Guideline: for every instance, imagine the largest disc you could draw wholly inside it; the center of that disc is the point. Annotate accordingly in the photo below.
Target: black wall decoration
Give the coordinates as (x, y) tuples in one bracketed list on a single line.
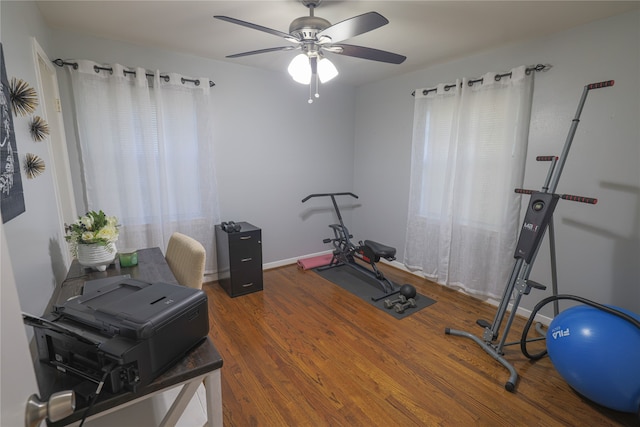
[(11, 193)]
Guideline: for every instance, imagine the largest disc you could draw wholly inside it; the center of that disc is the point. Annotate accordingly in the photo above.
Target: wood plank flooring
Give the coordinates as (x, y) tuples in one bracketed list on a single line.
[(304, 352)]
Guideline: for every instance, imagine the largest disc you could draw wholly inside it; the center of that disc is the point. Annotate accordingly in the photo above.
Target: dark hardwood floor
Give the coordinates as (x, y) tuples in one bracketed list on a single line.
[(304, 352)]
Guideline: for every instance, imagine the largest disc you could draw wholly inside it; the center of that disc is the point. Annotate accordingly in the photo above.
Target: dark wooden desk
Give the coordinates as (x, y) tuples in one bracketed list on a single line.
[(203, 363), (152, 267)]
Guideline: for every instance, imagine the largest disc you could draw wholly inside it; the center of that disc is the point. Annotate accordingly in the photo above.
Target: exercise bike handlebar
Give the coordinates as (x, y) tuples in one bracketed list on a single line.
[(571, 197), (328, 195)]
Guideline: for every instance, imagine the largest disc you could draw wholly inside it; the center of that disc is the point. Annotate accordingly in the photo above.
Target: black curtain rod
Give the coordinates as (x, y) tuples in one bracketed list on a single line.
[(60, 63), (498, 77)]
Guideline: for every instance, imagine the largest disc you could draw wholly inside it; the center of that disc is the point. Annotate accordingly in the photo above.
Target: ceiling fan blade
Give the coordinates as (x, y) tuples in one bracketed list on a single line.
[(257, 27), (354, 26), (367, 53), (255, 52)]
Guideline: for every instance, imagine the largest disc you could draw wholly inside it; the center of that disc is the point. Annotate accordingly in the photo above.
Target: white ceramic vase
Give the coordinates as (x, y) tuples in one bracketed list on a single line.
[(96, 256)]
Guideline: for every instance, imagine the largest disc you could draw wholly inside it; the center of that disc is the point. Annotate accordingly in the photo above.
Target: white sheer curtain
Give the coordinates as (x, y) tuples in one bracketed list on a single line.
[(468, 156), (147, 154)]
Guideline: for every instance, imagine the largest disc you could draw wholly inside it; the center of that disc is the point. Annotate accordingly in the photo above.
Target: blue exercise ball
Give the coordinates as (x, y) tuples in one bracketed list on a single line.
[(598, 355)]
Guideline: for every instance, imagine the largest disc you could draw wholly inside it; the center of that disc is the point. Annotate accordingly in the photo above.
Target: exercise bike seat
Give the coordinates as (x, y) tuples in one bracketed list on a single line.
[(380, 250)]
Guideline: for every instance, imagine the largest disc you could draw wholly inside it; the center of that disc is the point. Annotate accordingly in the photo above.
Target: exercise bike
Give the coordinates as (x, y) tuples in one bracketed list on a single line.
[(345, 252)]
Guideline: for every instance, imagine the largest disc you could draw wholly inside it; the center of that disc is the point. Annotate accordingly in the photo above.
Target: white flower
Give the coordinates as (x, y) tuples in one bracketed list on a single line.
[(87, 221), (87, 236), (109, 233), (94, 227)]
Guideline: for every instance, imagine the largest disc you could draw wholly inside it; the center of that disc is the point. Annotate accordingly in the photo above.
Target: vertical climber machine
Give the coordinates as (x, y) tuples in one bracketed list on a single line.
[(538, 218)]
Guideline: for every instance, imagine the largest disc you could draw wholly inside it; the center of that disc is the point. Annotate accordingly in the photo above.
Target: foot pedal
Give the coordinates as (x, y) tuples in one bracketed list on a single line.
[(483, 323), (326, 241), (536, 285), (489, 334)]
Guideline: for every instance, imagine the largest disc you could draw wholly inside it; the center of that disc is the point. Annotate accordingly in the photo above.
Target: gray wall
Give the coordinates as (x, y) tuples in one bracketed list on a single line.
[(598, 247), (33, 238), (272, 149)]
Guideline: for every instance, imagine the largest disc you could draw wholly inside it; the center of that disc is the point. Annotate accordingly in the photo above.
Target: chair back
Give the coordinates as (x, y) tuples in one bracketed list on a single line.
[(186, 258)]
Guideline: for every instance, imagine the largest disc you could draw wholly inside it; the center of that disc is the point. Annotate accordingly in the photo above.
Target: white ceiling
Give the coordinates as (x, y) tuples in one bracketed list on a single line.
[(426, 32)]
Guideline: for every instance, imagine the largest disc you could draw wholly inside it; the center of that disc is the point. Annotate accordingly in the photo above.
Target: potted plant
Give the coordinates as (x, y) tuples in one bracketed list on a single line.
[(92, 239)]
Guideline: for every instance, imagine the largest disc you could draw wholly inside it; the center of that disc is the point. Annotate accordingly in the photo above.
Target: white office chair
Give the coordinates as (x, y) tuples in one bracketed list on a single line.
[(186, 257)]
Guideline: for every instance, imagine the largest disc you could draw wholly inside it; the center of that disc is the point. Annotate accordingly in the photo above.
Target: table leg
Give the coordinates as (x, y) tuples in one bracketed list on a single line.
[(179, 405), (213, 387)]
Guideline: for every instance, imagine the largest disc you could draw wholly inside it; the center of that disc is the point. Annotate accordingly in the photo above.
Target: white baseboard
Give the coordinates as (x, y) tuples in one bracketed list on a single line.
[(213, 276), (284, 262), (520, 311), (268, 266)]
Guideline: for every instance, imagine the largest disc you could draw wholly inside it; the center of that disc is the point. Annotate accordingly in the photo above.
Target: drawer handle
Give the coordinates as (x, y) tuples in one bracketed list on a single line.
[(245, 237), (247, 285), (245, 259)]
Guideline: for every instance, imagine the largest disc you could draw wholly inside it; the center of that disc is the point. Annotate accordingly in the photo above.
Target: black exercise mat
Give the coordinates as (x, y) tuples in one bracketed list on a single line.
[(366, 288)]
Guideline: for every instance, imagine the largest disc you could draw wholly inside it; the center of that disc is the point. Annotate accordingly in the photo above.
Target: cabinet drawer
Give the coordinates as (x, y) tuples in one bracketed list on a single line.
[(249, 258), (246, 281), (240, 242)]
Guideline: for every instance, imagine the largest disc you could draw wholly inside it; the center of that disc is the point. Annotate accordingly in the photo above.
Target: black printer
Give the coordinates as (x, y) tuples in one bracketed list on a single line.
[(124, 333)]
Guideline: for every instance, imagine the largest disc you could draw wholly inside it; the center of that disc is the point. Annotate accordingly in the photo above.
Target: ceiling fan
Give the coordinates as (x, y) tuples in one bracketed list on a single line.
[(315, 36)]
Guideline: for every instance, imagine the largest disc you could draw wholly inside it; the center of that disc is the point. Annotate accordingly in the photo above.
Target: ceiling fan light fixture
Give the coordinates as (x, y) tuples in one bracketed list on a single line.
[(300, 69), (315, 36), (326, 70)]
